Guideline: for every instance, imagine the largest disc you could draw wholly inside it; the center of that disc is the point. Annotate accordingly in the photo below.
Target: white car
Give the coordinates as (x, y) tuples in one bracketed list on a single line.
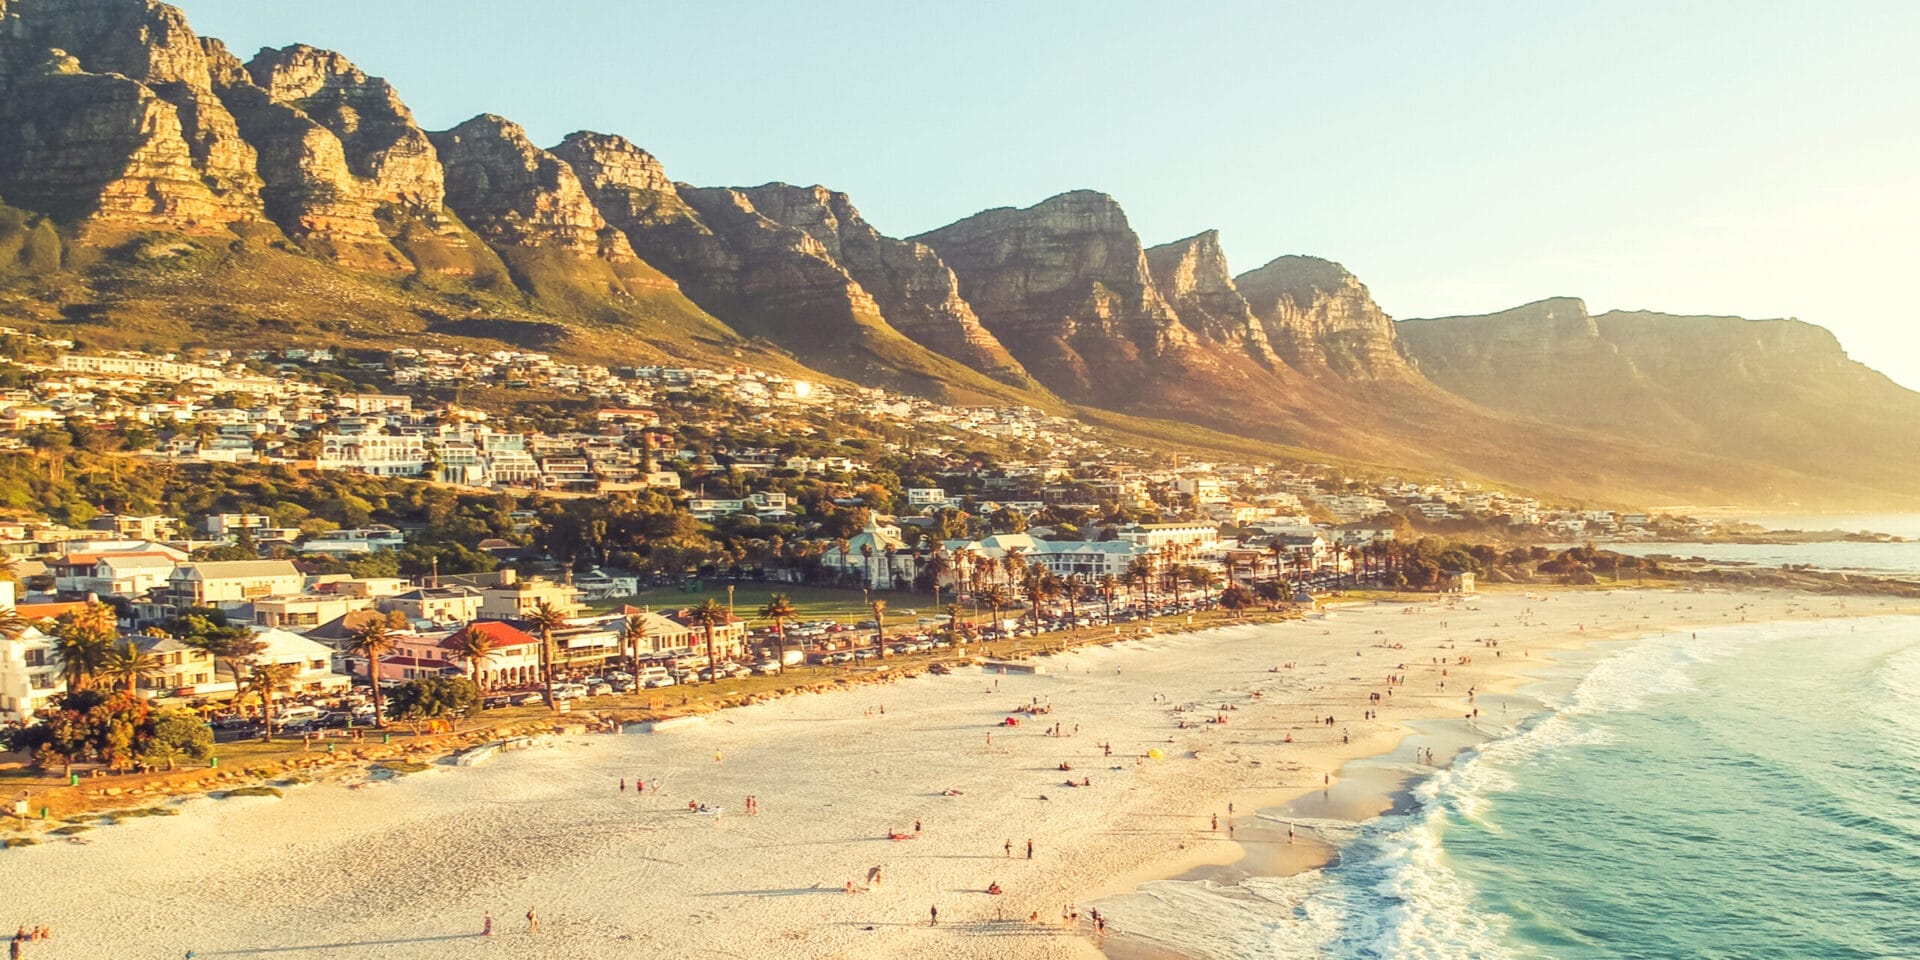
[(661, 681), (767, 668), (601, 689)]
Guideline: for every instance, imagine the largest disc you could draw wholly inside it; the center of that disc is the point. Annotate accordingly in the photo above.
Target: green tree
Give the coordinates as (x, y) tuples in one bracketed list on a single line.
[(81, 641), (779, 608), (475, 649), (263, 681), (125, 665), (545, 619), (633, 636), (176, 732), (434, 698), (995, 597), (373, 640), (708, 614), (1236, 598)]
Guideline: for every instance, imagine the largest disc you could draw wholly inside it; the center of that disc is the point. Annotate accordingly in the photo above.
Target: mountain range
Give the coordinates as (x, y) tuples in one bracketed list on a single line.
[(161, 192)]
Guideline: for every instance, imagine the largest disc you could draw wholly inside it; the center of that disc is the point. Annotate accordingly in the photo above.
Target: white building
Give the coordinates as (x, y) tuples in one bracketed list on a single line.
[(1153, 536), (373, 453), (29, 671), (228, 583), (312, 661)]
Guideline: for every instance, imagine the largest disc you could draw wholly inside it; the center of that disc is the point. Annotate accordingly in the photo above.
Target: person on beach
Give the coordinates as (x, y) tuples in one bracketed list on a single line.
[(1216, 823), (1008, 846), (486, 924), (533, 921), (933, 915), (1029, 848)]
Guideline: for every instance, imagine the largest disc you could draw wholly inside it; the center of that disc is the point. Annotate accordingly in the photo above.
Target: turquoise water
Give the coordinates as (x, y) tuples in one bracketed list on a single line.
[(1743, 792)]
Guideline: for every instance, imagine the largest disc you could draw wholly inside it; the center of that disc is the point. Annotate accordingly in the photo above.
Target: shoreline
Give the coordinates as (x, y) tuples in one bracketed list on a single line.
[(1381, 784), (834, 772)]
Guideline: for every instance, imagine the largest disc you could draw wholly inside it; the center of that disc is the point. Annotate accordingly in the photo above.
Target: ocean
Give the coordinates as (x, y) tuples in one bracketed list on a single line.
[(1750, 791), (1882, 559)]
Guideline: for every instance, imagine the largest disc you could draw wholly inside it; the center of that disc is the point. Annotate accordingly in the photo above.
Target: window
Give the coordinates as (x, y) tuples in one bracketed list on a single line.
[(36, 658)]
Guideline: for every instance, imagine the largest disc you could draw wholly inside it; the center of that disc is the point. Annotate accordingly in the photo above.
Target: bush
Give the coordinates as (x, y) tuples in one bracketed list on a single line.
[(252, 792)]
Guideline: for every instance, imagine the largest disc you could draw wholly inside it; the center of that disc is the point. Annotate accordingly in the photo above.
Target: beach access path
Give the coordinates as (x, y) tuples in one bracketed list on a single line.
[(407, 868)]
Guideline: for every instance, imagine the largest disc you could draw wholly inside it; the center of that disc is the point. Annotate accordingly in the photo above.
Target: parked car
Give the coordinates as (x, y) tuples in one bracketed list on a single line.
[(662, 680), (767, 668), (601, 689)]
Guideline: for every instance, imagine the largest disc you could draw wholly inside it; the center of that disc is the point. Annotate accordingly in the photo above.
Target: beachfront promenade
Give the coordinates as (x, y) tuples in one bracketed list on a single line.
[(408, 868)]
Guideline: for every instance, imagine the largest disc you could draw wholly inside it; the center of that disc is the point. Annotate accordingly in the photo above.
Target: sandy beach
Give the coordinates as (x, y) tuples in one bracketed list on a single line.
[(408, 868)]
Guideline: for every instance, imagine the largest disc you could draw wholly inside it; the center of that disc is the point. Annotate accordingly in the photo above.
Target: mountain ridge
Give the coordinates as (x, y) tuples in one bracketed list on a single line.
[(159, 190)]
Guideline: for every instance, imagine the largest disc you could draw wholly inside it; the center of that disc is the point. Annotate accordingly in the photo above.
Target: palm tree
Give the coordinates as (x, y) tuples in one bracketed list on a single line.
[(778, 608), (373, 640), (1108, 584), (263, 681), (1205, 578), (125, 664), (633, 635), (938, 563), (475, 649), (866, 551), (13, 626), (544, 620), (708, 614), (879, 628), (995, 597), (953, 621), (1141, 570), (81, 639)]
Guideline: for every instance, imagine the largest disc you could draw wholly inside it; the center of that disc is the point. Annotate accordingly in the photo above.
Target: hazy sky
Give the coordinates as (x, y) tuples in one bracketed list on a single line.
[(1754, 158)]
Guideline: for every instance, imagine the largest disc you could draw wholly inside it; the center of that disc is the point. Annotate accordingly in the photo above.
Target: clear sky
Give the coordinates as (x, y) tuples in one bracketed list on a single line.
[(1750, 157)]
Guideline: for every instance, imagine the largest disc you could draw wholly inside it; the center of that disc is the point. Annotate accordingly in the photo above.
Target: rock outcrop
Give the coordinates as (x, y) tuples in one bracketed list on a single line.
[(631, 190), (349, 173), (87, 146), (1322, 320), (916, 292), (1064, 285), (1192, 275), (776, 280), (382, 145), (530, 207)]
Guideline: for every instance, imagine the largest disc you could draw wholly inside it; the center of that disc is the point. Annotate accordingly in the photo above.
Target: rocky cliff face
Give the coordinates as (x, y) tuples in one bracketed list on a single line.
[(1065, 285), (1777, 392), (85, 145), (1192, 275), (916, 292), (1322, 320), (632, 191), (382, 145), (531, 208)]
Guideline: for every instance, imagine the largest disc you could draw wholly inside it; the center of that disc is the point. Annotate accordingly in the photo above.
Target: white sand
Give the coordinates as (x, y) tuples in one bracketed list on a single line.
[(406, 869)]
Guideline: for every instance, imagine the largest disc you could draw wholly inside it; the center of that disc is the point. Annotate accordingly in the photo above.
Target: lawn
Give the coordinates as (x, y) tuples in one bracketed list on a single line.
[(815, 603)]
